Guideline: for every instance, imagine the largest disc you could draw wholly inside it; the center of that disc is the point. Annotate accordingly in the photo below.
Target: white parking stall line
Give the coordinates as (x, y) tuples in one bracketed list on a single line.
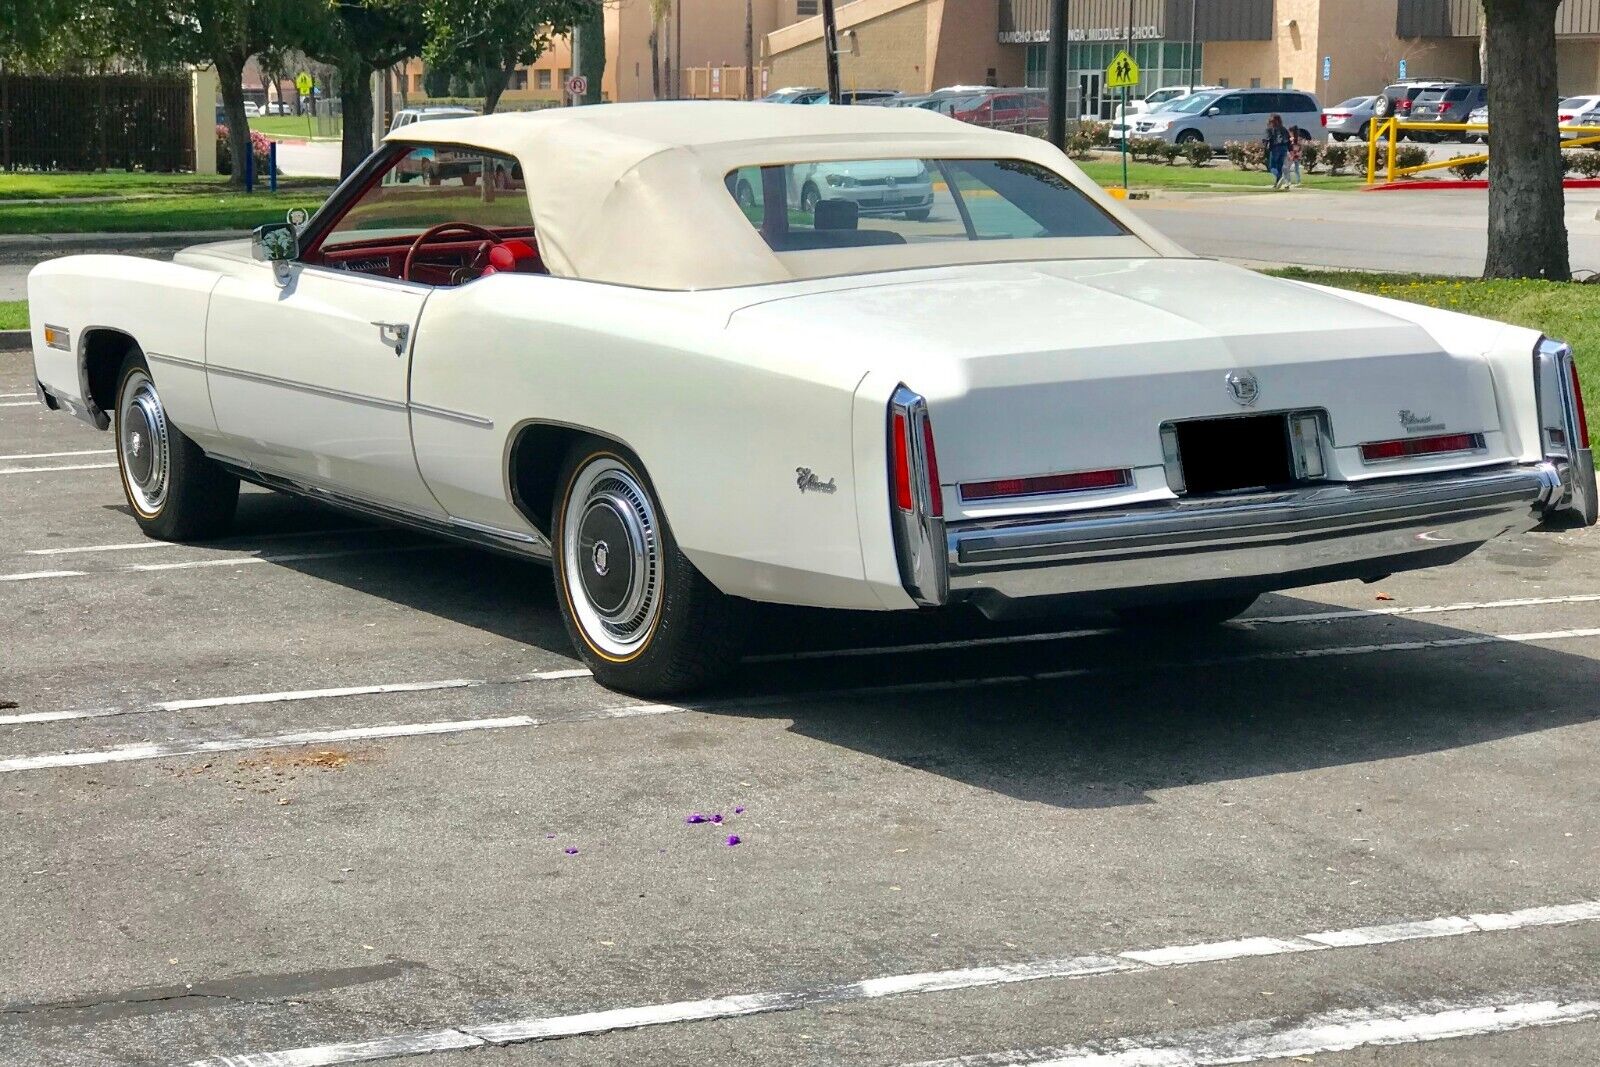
[(517, 1031), (778, 699), (221, 545), (56, 469), (22, 404), (1270, 1039), (8, 396), (1425, 609), (231, 561), (31, 576), (57, 455)]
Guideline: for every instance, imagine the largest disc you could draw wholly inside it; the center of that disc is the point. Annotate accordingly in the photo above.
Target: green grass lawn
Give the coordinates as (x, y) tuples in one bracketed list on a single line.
[(1107, 171), (296, 126), (1563, 310), (13, 314), (120, 183), (217, 211)]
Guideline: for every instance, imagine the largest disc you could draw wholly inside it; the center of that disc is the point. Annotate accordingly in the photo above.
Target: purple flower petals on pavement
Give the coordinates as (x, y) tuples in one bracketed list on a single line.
[(739, 810), (717, 818), (549, 837), (696, 817), (733, 839), (569, 850)]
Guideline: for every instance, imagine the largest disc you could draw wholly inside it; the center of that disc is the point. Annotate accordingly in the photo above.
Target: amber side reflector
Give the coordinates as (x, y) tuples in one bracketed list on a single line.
[(56, 337), (1377, 451), (1049, 483)]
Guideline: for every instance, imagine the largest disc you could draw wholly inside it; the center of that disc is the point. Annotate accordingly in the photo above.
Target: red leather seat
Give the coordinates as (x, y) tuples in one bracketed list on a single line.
[(520, 257)]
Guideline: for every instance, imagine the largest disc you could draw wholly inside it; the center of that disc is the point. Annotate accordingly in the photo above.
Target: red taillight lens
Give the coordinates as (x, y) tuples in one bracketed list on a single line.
[(1565, 118), (1420, 446), (935, 497), (902, 463), (1577, 400), (1324, 120), (1051, 483)]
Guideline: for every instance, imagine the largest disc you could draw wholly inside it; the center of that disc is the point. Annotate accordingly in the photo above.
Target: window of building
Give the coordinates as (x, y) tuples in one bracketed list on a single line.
[(416, 83), (804, 9), (565, 73), (1255, 83), (519, 80), (541, 78), (1288, 83)]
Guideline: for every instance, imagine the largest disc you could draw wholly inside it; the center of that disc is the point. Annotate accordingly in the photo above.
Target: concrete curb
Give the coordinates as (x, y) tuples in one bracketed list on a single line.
[(33, 245), (15, 340)]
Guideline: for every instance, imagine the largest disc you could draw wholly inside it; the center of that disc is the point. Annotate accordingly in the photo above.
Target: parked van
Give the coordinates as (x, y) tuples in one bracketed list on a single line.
[(1231, 115)]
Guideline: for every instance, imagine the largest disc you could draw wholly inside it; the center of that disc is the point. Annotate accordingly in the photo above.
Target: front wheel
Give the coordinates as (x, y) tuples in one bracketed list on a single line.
[(809, 198), (1340, 137), (1189, 137), (175, 491), (643, 619), (1192, 614)]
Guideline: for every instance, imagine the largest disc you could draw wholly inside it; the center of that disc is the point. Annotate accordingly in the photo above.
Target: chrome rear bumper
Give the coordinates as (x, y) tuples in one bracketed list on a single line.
[(1257, 543)]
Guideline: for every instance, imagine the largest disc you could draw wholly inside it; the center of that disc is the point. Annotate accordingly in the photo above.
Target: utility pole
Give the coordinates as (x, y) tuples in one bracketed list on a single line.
[(577, 62), (830, 49), (1055, 61), (677, 59), (749, 50)]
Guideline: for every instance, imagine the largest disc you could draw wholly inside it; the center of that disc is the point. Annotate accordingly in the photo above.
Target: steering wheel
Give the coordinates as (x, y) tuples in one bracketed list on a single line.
[(480, 258)]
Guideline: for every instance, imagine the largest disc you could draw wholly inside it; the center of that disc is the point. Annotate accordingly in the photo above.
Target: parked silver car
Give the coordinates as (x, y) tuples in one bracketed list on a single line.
[(1231, 115), (1352, 118)]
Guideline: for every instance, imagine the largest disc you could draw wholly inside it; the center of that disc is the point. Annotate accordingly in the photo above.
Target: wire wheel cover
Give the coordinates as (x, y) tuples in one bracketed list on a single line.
[(143, 443), (611, 557)]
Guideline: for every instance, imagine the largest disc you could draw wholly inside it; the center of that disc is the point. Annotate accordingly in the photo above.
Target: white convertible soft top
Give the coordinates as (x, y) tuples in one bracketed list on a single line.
[(635, 194)]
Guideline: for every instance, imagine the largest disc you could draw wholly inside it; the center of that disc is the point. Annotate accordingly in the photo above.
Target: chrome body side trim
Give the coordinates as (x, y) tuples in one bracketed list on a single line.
[(918, 534), (454, 416), (302, 387), (1261, 542), (1559, 432), (176, 361), (510, 542)]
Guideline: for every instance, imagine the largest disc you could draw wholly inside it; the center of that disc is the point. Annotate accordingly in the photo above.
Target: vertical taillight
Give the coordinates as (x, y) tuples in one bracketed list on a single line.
[(900, 443), (931, 465), (918, 513), (1577, 403)]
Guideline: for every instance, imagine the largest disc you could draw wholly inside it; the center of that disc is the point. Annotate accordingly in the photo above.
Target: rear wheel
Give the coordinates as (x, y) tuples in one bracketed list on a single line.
[(809, 198), (1187, 615), (643, 619), (1365, 133), (176, 493), (1341, 137)]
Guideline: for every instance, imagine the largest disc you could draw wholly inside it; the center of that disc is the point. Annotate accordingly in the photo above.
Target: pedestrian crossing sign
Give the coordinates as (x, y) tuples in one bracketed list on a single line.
[(1122, 71)]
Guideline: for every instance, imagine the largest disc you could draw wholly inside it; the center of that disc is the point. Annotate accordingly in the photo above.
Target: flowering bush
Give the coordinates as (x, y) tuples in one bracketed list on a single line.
[(1336, 156), (1099, 133), (1586, 162), (1410, 155), (260, 146), (1247, 155), (1145, 148), (1310, 152)]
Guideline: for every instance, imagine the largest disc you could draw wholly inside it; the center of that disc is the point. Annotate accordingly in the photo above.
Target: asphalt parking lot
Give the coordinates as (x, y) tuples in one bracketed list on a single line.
[(324, 793)]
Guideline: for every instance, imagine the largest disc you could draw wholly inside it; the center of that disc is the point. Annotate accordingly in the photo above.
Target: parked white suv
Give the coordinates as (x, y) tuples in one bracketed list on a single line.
[(1160, 98), (1231, 115)]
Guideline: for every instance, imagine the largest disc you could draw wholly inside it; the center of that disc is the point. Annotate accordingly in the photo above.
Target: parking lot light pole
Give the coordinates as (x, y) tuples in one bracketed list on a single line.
[(1055, 61)]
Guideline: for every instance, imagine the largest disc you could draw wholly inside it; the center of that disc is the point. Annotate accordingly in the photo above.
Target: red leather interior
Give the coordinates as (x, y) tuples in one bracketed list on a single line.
[(437, 262), (514, 255)]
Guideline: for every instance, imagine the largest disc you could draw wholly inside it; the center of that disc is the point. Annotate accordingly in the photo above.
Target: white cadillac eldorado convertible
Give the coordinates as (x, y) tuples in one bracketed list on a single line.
[(613, 342)]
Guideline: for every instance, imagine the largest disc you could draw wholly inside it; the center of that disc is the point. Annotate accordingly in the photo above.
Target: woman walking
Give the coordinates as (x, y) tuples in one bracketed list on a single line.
[(1292, 176), (1277, 149)]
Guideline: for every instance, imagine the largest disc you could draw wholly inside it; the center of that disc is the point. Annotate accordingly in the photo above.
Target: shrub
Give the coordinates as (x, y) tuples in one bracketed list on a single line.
[(1147, 149), (1255, 155), (1234, 150), (1171, 152), (1586, 162), (1310, 153), (1099, 133), (1410, 155), (1080, 145), (260, 145), (1468, 171), (1198, 153), (1336, 156)]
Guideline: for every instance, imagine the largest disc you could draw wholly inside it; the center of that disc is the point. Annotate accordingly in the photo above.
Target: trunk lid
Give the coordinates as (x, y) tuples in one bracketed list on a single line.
[(1041, 368)]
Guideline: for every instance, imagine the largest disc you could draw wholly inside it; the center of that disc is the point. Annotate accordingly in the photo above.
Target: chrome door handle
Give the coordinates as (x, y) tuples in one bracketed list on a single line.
[(394, 335)]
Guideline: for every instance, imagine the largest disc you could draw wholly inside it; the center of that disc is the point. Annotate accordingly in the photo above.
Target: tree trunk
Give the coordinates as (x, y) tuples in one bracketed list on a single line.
[(749, 50), (355, 99), (495, 80), (593, 59), (1527, 229), (230, 73)]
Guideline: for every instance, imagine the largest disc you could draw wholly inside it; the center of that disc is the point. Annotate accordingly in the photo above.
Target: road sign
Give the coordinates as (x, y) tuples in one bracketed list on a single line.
[(1122, 71), (1402, 68), (302, 82), (578, 85), (1327, 67)]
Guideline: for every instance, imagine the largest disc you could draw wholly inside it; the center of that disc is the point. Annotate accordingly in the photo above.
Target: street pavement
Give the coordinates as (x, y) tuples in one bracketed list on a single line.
[(343, 793), (309, 159)]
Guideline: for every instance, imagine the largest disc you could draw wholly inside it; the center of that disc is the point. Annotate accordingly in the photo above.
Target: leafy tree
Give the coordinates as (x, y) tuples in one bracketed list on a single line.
[(360, 38), (485, 41), (1527, 230)]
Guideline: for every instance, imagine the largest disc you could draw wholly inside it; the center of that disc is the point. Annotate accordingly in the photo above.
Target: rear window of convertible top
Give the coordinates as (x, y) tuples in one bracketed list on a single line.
[(853, 203)]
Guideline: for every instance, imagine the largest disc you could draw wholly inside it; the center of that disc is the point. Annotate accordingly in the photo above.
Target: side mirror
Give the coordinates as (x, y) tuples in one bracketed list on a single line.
[(274, 242), (1214, 111)]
